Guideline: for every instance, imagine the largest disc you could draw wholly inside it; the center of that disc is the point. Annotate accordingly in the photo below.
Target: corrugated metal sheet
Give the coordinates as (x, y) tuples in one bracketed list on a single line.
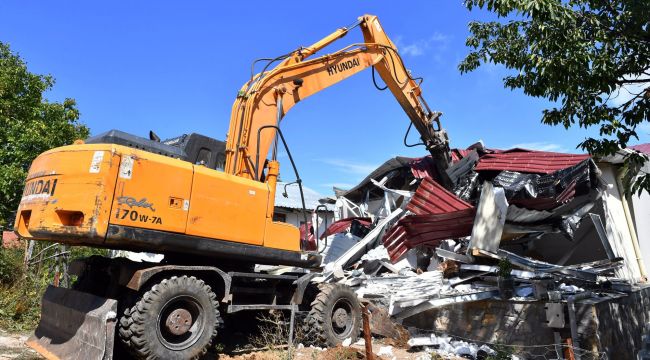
[(521, 215), (529, 161), (644, 148), (423, 168), (395, 242), (432, 198), (431, 229), (439, 215), (344, 224), (428, 230), (459, 154)]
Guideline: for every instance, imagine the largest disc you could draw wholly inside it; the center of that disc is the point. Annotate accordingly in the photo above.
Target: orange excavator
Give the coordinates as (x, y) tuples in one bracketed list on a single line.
[(208, 207)]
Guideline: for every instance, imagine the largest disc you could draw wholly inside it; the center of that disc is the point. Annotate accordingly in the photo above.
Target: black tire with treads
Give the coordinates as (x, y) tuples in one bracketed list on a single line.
[(141, 327), (319, 327)]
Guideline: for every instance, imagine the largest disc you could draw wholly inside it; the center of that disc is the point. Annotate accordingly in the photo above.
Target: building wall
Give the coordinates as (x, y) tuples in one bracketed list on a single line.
[(617, 227), (295, 217), (641, 206), (613, 326)]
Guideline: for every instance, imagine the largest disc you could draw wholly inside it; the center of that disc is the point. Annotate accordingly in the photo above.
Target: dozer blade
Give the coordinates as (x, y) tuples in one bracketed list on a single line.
[(75, 325)]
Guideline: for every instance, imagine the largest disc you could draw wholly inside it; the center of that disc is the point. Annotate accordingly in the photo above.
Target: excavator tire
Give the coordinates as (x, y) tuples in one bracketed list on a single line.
[(335, 316), (176, 318)]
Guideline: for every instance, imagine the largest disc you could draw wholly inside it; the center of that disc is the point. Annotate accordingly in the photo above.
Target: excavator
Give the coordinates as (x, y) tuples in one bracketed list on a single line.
[(208, 207)]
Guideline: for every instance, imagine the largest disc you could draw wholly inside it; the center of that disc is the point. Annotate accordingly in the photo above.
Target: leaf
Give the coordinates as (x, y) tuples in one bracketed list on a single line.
[(576, 54)]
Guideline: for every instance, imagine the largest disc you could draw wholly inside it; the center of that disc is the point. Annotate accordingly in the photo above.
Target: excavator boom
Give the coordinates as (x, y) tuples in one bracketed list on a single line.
[(269, 95)]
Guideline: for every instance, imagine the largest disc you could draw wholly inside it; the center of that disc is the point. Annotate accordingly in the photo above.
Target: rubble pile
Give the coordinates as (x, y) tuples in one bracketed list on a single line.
[(510, 225)]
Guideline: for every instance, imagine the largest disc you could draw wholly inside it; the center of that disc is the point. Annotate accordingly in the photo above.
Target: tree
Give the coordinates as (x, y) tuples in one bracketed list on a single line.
[(590, 58), (29, 125)]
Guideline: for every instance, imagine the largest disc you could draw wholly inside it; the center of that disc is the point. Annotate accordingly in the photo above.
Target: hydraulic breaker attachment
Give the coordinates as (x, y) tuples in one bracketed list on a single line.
[(75, 325)]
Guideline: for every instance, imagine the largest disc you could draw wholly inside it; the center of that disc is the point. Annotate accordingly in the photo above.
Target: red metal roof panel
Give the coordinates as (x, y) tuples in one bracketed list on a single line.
[(540, 162), (432, 198), (427, 230), (644, 148), (344, 224), (423, 168), (395, 242)]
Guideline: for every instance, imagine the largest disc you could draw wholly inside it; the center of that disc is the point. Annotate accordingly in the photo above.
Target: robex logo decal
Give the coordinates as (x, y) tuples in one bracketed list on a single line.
[(131, 202), (39, 189), (342, 66)]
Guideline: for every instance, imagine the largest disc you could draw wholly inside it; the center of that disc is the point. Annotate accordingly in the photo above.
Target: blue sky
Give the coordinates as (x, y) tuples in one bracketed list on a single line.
[(175, 67)]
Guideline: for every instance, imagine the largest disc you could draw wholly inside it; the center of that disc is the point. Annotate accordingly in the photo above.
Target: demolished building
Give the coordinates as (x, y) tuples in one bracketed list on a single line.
[(555, 228)]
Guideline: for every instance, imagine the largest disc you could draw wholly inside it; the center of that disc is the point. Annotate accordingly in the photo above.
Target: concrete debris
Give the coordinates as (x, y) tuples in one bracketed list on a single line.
[(540, 226), (570, 288), (490, 219), (386, 351), (446, 345), (358, 249), (338, 244)]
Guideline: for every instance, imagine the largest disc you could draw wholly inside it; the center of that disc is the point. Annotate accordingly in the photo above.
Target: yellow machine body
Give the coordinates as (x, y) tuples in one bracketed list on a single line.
[(75, 194)]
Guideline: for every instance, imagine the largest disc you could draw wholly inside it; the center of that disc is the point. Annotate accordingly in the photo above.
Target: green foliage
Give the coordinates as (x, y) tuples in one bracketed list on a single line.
[(590, 57), (502, 353), (29, 125), (77, 252), (20, 304), (11, 266), (505, 268), (21, 290)]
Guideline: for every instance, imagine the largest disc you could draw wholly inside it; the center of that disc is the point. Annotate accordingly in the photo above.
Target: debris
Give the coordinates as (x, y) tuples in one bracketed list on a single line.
[(449, 268), (382, 325), (428, 230), (337, 245), (356, 251), (438, 302), (570, 288), (385, 351), (446, 345), (462, 167), (490, 219), (345, 224), (430, 246)]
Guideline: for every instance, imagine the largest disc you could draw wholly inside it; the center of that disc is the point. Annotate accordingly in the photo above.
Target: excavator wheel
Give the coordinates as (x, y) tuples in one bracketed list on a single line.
[(176, 318), (335, 316)]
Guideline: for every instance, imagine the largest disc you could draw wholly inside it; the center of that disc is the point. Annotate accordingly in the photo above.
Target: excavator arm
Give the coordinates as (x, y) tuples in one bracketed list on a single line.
[(268, 96)]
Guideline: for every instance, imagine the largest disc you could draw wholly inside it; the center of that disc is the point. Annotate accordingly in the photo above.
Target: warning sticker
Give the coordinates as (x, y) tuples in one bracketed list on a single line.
[(96, 163), (126, 167), (377, 26)]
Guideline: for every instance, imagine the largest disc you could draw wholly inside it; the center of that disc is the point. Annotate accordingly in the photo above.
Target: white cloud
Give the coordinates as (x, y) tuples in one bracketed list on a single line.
[(541, 146), (415, 49), (344, 186), (350, 167), (421, 46), (643, 128), (627, 92)]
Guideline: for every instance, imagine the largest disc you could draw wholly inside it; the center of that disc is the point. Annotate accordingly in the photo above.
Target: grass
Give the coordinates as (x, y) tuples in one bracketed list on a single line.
[(21, 289)]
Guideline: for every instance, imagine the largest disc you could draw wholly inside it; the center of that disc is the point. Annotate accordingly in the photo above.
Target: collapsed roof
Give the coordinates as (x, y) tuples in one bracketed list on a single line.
[(534, 204)]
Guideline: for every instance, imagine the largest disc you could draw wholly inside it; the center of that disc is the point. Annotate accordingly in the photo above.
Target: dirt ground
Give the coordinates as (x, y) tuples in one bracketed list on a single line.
[(12, 347), (354, 352)]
